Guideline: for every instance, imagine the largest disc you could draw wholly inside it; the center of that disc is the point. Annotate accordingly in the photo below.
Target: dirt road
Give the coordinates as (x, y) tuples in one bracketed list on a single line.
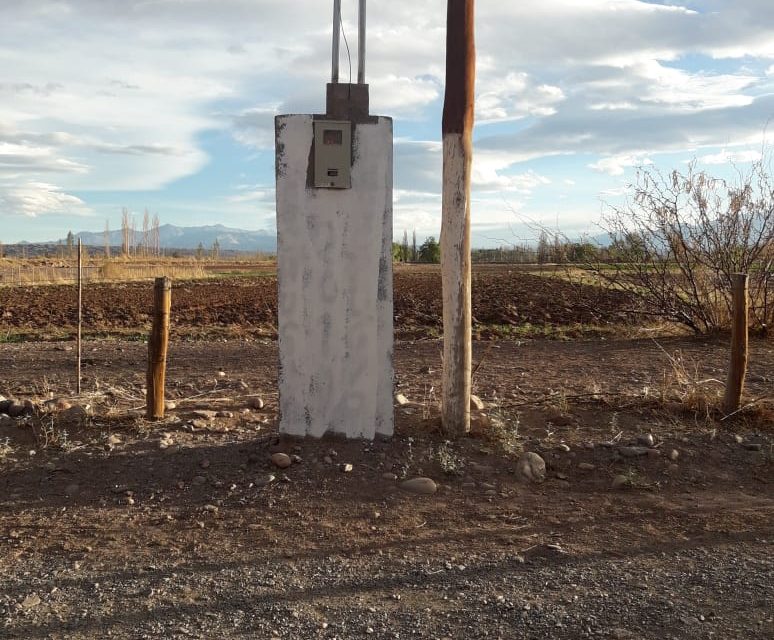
[(185, 529)]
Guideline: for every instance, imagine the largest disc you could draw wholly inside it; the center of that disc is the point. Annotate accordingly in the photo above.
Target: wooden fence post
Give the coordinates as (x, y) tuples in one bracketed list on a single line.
[(157, 349), (739, 337), (80, 311)]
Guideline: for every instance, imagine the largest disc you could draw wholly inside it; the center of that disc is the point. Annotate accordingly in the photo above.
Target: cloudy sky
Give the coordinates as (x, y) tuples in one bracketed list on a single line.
[(169, 104)]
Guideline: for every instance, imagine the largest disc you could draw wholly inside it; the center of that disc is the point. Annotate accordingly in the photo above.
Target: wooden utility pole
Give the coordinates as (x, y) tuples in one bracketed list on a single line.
[(80, 311), (739, 337), (157, 349), (455, 224)]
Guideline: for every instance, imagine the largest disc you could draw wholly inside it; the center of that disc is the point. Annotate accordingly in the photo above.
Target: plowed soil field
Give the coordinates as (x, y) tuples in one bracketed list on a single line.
[(504, 301)]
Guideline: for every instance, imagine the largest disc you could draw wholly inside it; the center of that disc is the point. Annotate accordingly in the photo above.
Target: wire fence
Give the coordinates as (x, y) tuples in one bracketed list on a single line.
[(31, 274), (36, 274)]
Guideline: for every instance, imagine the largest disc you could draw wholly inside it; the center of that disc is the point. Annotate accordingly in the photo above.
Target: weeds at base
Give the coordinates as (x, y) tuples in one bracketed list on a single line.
[(5, 448), (451, 464)]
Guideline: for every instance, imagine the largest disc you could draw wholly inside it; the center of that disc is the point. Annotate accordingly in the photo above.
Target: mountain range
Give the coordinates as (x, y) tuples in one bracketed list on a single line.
[(174, 237)]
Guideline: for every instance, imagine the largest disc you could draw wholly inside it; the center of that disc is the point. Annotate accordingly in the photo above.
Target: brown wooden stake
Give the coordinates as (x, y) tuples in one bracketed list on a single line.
[(739, 338), (80, 310), (455, 223), (157, 349)]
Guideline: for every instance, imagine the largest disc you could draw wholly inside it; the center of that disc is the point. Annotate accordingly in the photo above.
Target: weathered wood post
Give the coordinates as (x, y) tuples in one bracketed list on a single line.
[(157, 349), (455, 223), (739, 338), (80, 311)]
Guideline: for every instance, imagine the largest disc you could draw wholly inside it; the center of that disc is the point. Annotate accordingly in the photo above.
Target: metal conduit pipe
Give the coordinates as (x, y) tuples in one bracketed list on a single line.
[(361, 43), (336, 32)]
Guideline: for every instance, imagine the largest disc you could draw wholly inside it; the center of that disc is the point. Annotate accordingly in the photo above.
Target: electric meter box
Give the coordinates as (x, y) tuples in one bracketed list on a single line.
[(332, 154)]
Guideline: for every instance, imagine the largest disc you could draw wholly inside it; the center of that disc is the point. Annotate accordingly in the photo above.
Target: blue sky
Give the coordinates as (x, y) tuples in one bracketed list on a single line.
[(168, 105)]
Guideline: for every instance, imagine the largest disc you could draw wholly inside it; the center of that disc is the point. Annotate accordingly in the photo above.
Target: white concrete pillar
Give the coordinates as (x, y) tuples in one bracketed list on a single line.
[(334, 256)]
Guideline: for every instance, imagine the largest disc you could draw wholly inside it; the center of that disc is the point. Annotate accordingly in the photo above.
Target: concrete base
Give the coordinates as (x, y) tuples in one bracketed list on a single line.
[(334, 255)]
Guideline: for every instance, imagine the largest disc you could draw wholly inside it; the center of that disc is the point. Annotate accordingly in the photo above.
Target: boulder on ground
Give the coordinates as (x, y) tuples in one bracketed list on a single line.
[(531, 467)]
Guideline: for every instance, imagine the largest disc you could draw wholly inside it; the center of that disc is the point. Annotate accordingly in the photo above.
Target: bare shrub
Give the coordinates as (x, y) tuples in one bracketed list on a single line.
[(679, 237)]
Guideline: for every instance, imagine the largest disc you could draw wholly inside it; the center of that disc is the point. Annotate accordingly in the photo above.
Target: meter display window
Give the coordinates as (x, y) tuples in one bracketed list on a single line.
[(332, 154), (333, 136)]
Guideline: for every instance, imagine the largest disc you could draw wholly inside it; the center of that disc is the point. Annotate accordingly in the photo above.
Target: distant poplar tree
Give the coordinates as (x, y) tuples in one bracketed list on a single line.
[(146, 234), (156, 235), (107, 239), (125, 246)]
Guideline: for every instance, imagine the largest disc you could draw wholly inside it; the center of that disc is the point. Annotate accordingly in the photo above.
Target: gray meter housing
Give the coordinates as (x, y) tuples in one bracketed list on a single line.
[(332, 154)]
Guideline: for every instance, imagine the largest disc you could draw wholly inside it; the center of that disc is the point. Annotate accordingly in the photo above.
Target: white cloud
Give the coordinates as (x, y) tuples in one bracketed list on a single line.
[(38, 198), (15, 158), (252, 194), (613, 106), (615, 192), (515, 96), (255, 127), (488, 175), (726, 157), (402, 94), (617, 165), (681, 89), (118, 95)]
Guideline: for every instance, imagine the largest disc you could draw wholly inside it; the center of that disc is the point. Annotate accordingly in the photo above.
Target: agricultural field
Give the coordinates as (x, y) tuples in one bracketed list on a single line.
[(655, 518)]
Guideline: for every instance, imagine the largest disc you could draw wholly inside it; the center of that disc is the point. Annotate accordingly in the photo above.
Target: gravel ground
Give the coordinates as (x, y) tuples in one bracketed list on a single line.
[(721, 591), (185, 529)]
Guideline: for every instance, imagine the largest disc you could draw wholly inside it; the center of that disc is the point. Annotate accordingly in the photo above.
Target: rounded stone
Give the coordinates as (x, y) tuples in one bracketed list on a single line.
[(531, 467), (281, 460), (646, 440), (476, 403), (422, 486), (256, 403), (620, 481)]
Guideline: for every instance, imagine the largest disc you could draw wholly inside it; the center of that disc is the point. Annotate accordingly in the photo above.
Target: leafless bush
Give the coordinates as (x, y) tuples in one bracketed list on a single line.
[(679, 237)]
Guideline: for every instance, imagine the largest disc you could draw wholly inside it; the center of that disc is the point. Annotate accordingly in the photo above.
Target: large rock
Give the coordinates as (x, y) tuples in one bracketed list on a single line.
[(421, 486), (531, 467)]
